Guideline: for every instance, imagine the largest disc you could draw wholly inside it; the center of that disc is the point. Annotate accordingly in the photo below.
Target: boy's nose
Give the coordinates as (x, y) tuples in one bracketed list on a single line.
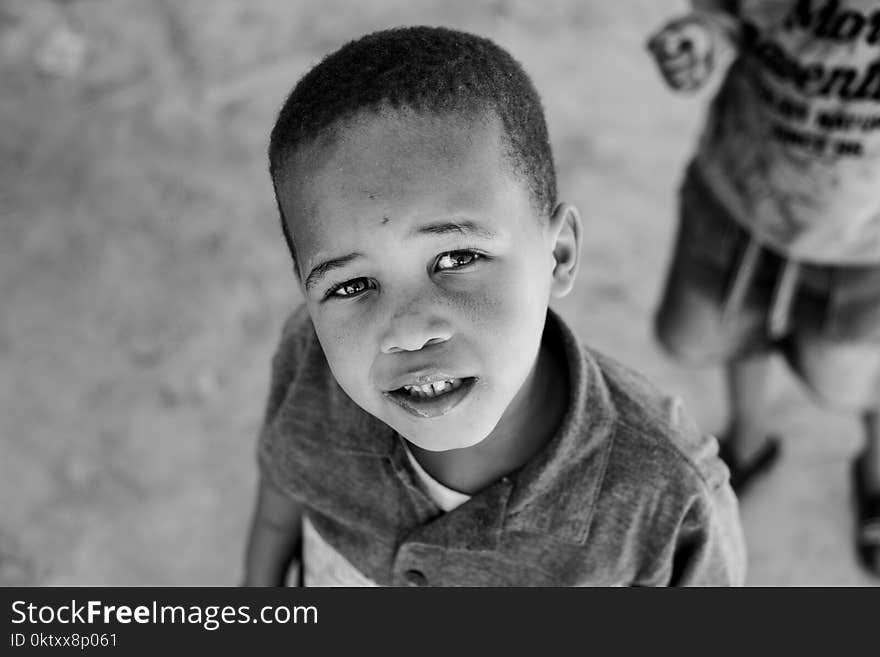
[(413, 332)]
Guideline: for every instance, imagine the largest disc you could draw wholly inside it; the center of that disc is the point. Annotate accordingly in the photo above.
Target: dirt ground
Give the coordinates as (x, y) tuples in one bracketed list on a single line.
[(143, 278)]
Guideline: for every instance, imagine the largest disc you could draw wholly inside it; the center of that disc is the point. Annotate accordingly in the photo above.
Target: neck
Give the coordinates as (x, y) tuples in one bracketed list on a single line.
[(529, 423)]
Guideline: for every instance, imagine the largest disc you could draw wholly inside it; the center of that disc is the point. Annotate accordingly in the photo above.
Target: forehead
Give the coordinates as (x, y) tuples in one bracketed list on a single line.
[(395, 166), (392, 149)]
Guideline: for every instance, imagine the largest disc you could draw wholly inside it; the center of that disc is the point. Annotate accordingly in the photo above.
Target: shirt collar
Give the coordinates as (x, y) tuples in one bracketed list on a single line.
[(555, 492)]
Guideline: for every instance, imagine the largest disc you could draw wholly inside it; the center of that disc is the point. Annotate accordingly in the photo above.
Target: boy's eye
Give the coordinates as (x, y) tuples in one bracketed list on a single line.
[(350, 288), (455, 260)]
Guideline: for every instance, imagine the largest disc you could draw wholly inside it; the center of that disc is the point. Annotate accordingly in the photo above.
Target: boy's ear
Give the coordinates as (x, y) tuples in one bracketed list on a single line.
[(565, 232)]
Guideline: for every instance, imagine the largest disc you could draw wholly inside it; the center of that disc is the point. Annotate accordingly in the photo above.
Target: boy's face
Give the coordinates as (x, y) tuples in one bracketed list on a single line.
[(426, 270)]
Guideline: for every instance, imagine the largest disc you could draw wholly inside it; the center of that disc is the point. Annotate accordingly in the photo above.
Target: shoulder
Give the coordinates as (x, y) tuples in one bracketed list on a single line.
[(664, 489), (300, 378), (655, 439), (645, 436), (297, 339), (298, 359)]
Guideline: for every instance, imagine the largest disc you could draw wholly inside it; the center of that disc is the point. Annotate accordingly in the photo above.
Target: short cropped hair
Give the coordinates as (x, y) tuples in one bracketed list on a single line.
[(426, 69)]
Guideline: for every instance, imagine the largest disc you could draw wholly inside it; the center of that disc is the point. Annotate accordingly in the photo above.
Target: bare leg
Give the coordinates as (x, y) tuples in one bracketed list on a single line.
[(746, 390), (870, 460), (868, 490)]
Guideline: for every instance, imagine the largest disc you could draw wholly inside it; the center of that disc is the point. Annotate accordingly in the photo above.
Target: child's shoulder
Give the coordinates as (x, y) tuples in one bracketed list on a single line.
[(297, 346), (297, 333), (654, 435), (298, 361)]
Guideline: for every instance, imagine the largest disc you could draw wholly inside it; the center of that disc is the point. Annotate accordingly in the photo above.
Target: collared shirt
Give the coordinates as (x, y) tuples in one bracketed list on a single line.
[(627, 492), (792, 142), (323, 565)]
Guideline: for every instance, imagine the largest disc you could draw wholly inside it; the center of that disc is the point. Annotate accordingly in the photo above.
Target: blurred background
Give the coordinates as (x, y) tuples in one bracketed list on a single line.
[(144, 279)]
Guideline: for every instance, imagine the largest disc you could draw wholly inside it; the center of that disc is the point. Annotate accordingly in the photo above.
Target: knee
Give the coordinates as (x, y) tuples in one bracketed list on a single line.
[(684, 341), (848, 387), (838, 398)]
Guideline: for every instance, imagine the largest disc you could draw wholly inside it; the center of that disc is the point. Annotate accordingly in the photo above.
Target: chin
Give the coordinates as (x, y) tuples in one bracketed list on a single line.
[(437, 439)]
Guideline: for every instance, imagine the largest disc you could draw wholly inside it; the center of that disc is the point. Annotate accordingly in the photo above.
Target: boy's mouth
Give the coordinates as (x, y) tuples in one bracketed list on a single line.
[(432, 399)]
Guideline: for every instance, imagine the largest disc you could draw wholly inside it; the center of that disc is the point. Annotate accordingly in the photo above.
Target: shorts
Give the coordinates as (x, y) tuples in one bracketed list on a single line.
[(727, 298)]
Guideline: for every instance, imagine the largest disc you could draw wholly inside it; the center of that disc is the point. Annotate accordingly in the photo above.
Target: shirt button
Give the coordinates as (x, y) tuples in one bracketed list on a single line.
[(416, 578)]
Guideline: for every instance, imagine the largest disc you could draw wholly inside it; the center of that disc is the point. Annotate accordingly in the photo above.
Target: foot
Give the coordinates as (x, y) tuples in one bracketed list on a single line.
[(867, 504), (744, 471)]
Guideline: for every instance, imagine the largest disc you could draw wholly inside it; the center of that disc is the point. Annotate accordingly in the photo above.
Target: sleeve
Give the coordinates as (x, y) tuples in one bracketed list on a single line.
[(285, 370), (721, 6), (709, 547), (721, 15), (286, 360)]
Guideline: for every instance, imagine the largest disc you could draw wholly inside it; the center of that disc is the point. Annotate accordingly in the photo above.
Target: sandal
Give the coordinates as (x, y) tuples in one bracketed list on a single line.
[(867, 520), (742, 473)]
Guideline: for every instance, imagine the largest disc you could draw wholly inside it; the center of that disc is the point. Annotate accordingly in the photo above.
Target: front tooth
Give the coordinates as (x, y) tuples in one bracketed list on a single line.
[(432, 389)]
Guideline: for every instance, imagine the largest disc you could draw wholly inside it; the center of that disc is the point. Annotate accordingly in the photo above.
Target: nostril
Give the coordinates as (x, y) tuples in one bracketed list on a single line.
[(410, 335)]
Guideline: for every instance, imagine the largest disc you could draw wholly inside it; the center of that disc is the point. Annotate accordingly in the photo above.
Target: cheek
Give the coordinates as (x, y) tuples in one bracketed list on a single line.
[(344, 346), (513, 297), (507, 314), (480, 308)]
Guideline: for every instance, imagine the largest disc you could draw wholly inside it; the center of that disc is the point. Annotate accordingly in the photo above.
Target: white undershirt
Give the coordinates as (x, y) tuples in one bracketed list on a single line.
[(446, 498)]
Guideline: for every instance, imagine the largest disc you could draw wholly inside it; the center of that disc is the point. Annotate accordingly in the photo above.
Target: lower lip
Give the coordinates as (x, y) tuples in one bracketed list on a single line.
[(428, 407)]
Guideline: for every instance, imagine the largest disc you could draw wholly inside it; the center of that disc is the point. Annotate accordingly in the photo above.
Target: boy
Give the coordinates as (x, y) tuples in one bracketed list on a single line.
[(779, 244), (429, 421)]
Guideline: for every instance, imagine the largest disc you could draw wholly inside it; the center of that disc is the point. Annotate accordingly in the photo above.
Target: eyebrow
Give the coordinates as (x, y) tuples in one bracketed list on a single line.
[(458, 227), (319, 271)]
